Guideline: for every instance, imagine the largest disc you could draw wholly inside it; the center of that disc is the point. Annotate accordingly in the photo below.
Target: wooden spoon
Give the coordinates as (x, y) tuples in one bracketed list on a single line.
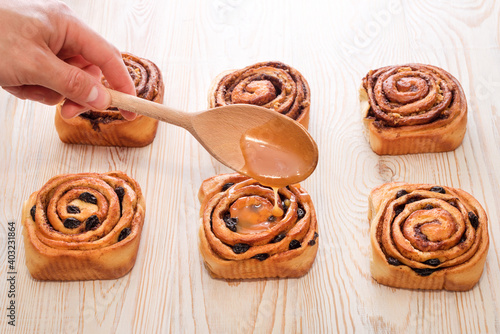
[(255, 141)]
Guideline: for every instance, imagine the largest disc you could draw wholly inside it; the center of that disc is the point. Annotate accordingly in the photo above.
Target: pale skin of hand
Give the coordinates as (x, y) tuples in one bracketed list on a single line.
[(48, 54)]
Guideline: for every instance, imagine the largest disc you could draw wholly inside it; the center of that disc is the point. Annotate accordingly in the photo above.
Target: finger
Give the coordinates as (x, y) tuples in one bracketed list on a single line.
[(77, 61), (72, 82), (70, 109), (95, 49), (49, 96), (35, 93), (75, 109), (86, 66), (82, 40), (128, 115), (123, 85)]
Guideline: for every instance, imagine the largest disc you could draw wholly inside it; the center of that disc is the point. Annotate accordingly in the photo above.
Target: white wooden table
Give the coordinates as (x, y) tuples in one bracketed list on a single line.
[(333, 44)]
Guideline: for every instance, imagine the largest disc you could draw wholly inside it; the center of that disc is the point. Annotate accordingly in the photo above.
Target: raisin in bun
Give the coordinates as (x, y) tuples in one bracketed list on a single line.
[(271, 85), (426, 237), (83, 227), (413, 108), (241, 236), (108, 127)]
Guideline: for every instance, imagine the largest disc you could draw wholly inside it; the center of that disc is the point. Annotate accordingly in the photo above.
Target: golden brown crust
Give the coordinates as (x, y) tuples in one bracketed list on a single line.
[(272, 85), (108, 127), (286, 249), (426, 237), (83, 227), (413, 108)]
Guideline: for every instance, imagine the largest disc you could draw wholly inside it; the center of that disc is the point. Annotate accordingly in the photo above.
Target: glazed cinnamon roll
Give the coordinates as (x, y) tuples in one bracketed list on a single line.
[(271, 85), (245, 234), (426, 237), (413, 108), (108, 127), (83, 227)]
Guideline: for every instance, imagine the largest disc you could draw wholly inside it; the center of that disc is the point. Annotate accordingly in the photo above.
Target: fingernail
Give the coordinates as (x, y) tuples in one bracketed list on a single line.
[(98, 98), (128, 115), (69, 109), (94, 93)]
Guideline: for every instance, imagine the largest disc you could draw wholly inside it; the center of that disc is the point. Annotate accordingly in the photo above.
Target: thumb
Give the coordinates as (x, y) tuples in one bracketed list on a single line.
[(74, 83)]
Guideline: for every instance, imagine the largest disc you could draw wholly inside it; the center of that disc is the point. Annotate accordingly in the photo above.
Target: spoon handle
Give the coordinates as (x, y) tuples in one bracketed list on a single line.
[(150, 109)]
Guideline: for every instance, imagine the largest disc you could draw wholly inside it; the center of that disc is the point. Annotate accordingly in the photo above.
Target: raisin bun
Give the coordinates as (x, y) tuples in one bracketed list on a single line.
[(83, 227), (245, 234), (426, 237), (271, 85), (413, 108)]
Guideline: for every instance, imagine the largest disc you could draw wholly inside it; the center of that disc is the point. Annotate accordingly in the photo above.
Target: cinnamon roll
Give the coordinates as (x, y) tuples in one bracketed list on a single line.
[(413, 108), (426, 237), (271, 85), (83, 227), (108, 127), (245, 234)]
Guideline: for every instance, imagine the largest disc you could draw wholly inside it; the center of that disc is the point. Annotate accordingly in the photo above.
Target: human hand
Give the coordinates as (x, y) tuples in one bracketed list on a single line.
[(47, 54)]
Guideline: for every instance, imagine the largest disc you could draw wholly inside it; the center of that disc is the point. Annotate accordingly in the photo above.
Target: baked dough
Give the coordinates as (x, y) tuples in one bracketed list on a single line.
[(278, 246), (271, 85), (83, 227), (413, 108), (426, 237), (108, 127)]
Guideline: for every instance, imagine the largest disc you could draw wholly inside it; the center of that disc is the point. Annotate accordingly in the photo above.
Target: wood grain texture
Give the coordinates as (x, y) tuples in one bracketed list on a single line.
[(333, 44)]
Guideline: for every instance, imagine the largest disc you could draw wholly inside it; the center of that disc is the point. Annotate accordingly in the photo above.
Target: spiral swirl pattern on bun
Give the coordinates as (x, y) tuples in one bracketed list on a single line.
[(427, 237), (413, 108), (241, 237), (83, 226), (272, 85)]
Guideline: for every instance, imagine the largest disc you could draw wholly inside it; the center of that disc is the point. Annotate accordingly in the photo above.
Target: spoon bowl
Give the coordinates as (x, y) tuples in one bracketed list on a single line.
[(258, 142)]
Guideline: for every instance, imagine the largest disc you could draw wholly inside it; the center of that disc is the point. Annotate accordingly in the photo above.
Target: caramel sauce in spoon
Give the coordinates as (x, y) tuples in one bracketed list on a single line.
[(274, 159)]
